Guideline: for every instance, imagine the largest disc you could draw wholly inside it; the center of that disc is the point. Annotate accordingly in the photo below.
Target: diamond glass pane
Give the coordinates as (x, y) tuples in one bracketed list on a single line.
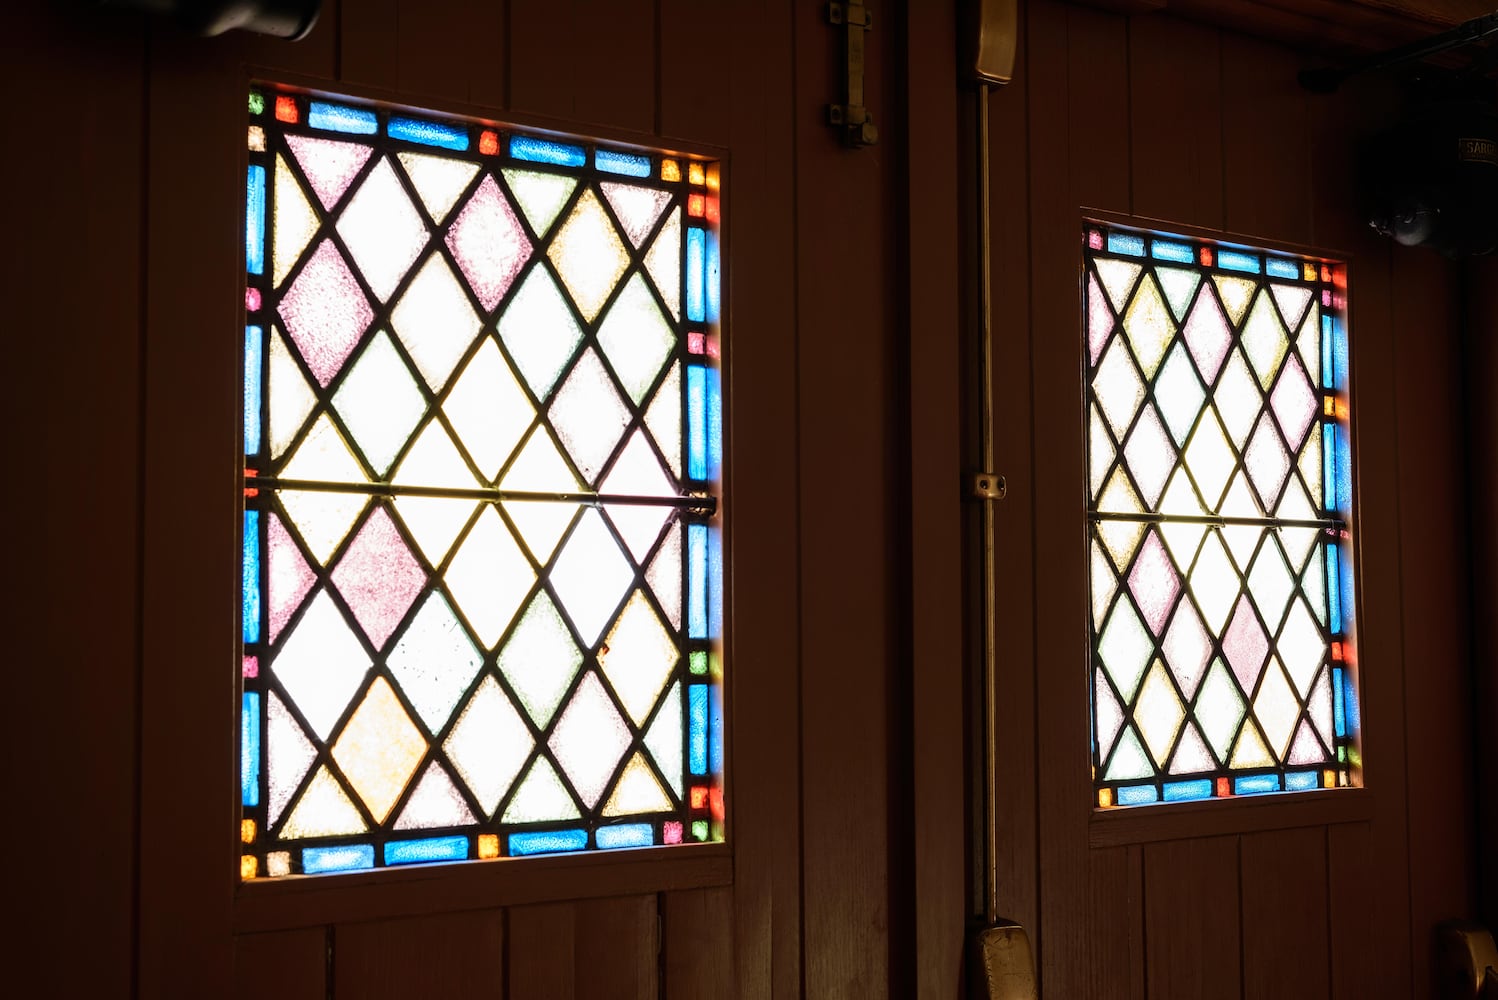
[(1222, 614), (487, 612)]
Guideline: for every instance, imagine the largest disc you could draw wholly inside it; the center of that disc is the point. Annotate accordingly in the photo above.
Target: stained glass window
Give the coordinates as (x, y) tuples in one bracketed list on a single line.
[(1220, 495), (482, 569)]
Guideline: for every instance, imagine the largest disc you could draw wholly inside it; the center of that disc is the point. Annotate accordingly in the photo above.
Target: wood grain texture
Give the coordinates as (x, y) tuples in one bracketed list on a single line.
[(1351, 887), (698, 951), (1115, 919), (589, 61), (1191, 921), (1175, 121), (605, 948), (1284, 907), (453, 956), (288, 965), (696, 104), (74, 284), (1266, 132)]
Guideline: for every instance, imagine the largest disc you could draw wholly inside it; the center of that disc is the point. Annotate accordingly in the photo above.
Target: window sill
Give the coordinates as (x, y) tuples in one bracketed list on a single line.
[(305, 901), (1285, 810)]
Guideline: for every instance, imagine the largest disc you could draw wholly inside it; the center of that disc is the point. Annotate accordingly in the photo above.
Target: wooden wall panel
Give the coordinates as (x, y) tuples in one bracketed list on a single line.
[(71, 497), (1191, 919), (606, 948), (288, 965), (1351, 888), (1266, 149), (452, 956), (1284, 905), (697, 950), (694, 96), (589, 61), (1116, 924)]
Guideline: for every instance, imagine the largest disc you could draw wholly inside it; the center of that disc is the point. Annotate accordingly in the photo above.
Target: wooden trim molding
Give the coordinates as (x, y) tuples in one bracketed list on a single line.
[(1216, 817), (1329, 26)]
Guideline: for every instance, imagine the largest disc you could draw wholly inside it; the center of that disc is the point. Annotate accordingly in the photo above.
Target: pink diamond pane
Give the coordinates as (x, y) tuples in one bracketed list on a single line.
[(1267, 463), (1207, 334), (1294, 403), (489, 243), (330, 166), (1154, 583), (1099, 320), (379, 577), (1245, 646), (325, 312), (289, 578)]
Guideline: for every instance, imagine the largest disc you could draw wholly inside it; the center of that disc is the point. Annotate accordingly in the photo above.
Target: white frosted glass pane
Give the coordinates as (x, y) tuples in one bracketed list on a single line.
[(290, 396), (1236, 293), (540, 659), (1129, 760), (1150, 456), (330, 166), (589, 255), (321, 665), (1250, 750), (1100, 450), (1124, 647), (1179, 394), (1104, 585), (435, 321), (638, 208), (1267, 463), (1192, 755), (1209, 459), (541, 797), (435, 803), (379, 749), (663, 262), (637, 791), (288, 755), (540, 196), (1119, 390), (1187, 648), (321, 518), (590, 576), (382, 230), (637, 658), (1241, 539), (1158, 713), (1214, 583), (1238, 399), (663, 419), (1219, 709), (635, 338), (324, 810), (664, 739), (1148, 327), (434, 661), (1292, 300), (1180, 287), (1308, 343), (488, 577), (589, 416), (488, 744), (1270, 583), (589, 739), (488, 409), (1118, 278), (1276, 709), (539, 331), (664, 576), (1109, 714), (294, 223), (380, 402), (1320, 708), (437, 180), (637, 472), (1301, 647)]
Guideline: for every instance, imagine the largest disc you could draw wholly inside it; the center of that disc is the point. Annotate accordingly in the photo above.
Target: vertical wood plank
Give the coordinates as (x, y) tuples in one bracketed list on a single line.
[(1434, 538), (1285, 946), (695, 100), (369, 43), (1116, 923), (763, 529), (591, 61), (1191, 921), (698, 945), (1351, 887), (1266, 149), (1175, 121), (604, 948), (440, 47), (287, 965), (71, 410), (451, 956), (1098, 116)]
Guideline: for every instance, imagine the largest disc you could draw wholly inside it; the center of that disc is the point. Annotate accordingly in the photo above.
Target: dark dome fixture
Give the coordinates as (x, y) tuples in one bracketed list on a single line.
[(1432, 179), (289, 19)]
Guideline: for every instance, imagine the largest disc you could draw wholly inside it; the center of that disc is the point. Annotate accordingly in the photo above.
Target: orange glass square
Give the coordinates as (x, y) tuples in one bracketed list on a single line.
[(488, 845)]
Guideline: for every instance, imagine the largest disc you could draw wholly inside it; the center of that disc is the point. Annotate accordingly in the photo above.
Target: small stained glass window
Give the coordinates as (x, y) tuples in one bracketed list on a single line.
[(1220, 499), (482, 560)]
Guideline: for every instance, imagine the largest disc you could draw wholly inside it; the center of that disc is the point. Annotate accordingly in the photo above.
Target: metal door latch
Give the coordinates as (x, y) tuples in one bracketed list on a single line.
[(851, 117), (989, 486)]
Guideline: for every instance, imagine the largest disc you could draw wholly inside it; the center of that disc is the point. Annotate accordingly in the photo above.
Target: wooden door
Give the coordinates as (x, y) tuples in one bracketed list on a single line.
[(1327, 895)]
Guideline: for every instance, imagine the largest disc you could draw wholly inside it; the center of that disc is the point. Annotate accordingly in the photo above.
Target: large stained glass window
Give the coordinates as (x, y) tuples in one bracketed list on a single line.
[(1220, 489), (482, 570)]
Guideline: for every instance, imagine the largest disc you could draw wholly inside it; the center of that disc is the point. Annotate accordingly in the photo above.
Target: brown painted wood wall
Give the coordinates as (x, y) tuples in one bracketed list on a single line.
[(1153, 117)]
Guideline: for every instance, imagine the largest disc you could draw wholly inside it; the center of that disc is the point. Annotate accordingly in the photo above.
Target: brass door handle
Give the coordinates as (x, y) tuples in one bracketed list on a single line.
[(1467, 960)]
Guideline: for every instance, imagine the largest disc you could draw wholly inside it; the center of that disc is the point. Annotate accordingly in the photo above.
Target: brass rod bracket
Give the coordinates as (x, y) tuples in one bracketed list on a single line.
[(989, 486), (851, 118)]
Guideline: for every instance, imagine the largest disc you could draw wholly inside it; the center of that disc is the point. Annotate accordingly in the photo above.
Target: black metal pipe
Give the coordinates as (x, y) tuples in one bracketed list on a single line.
[(1220, 520), (1326, 81), (289, 19), (700, 503)]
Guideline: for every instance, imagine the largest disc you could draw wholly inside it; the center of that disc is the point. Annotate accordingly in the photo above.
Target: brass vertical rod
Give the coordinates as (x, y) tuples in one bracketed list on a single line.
[(986, 438)]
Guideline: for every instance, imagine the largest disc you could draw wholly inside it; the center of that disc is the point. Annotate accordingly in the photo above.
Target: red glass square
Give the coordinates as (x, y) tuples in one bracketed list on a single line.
[(489, 144), (286, 109)]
